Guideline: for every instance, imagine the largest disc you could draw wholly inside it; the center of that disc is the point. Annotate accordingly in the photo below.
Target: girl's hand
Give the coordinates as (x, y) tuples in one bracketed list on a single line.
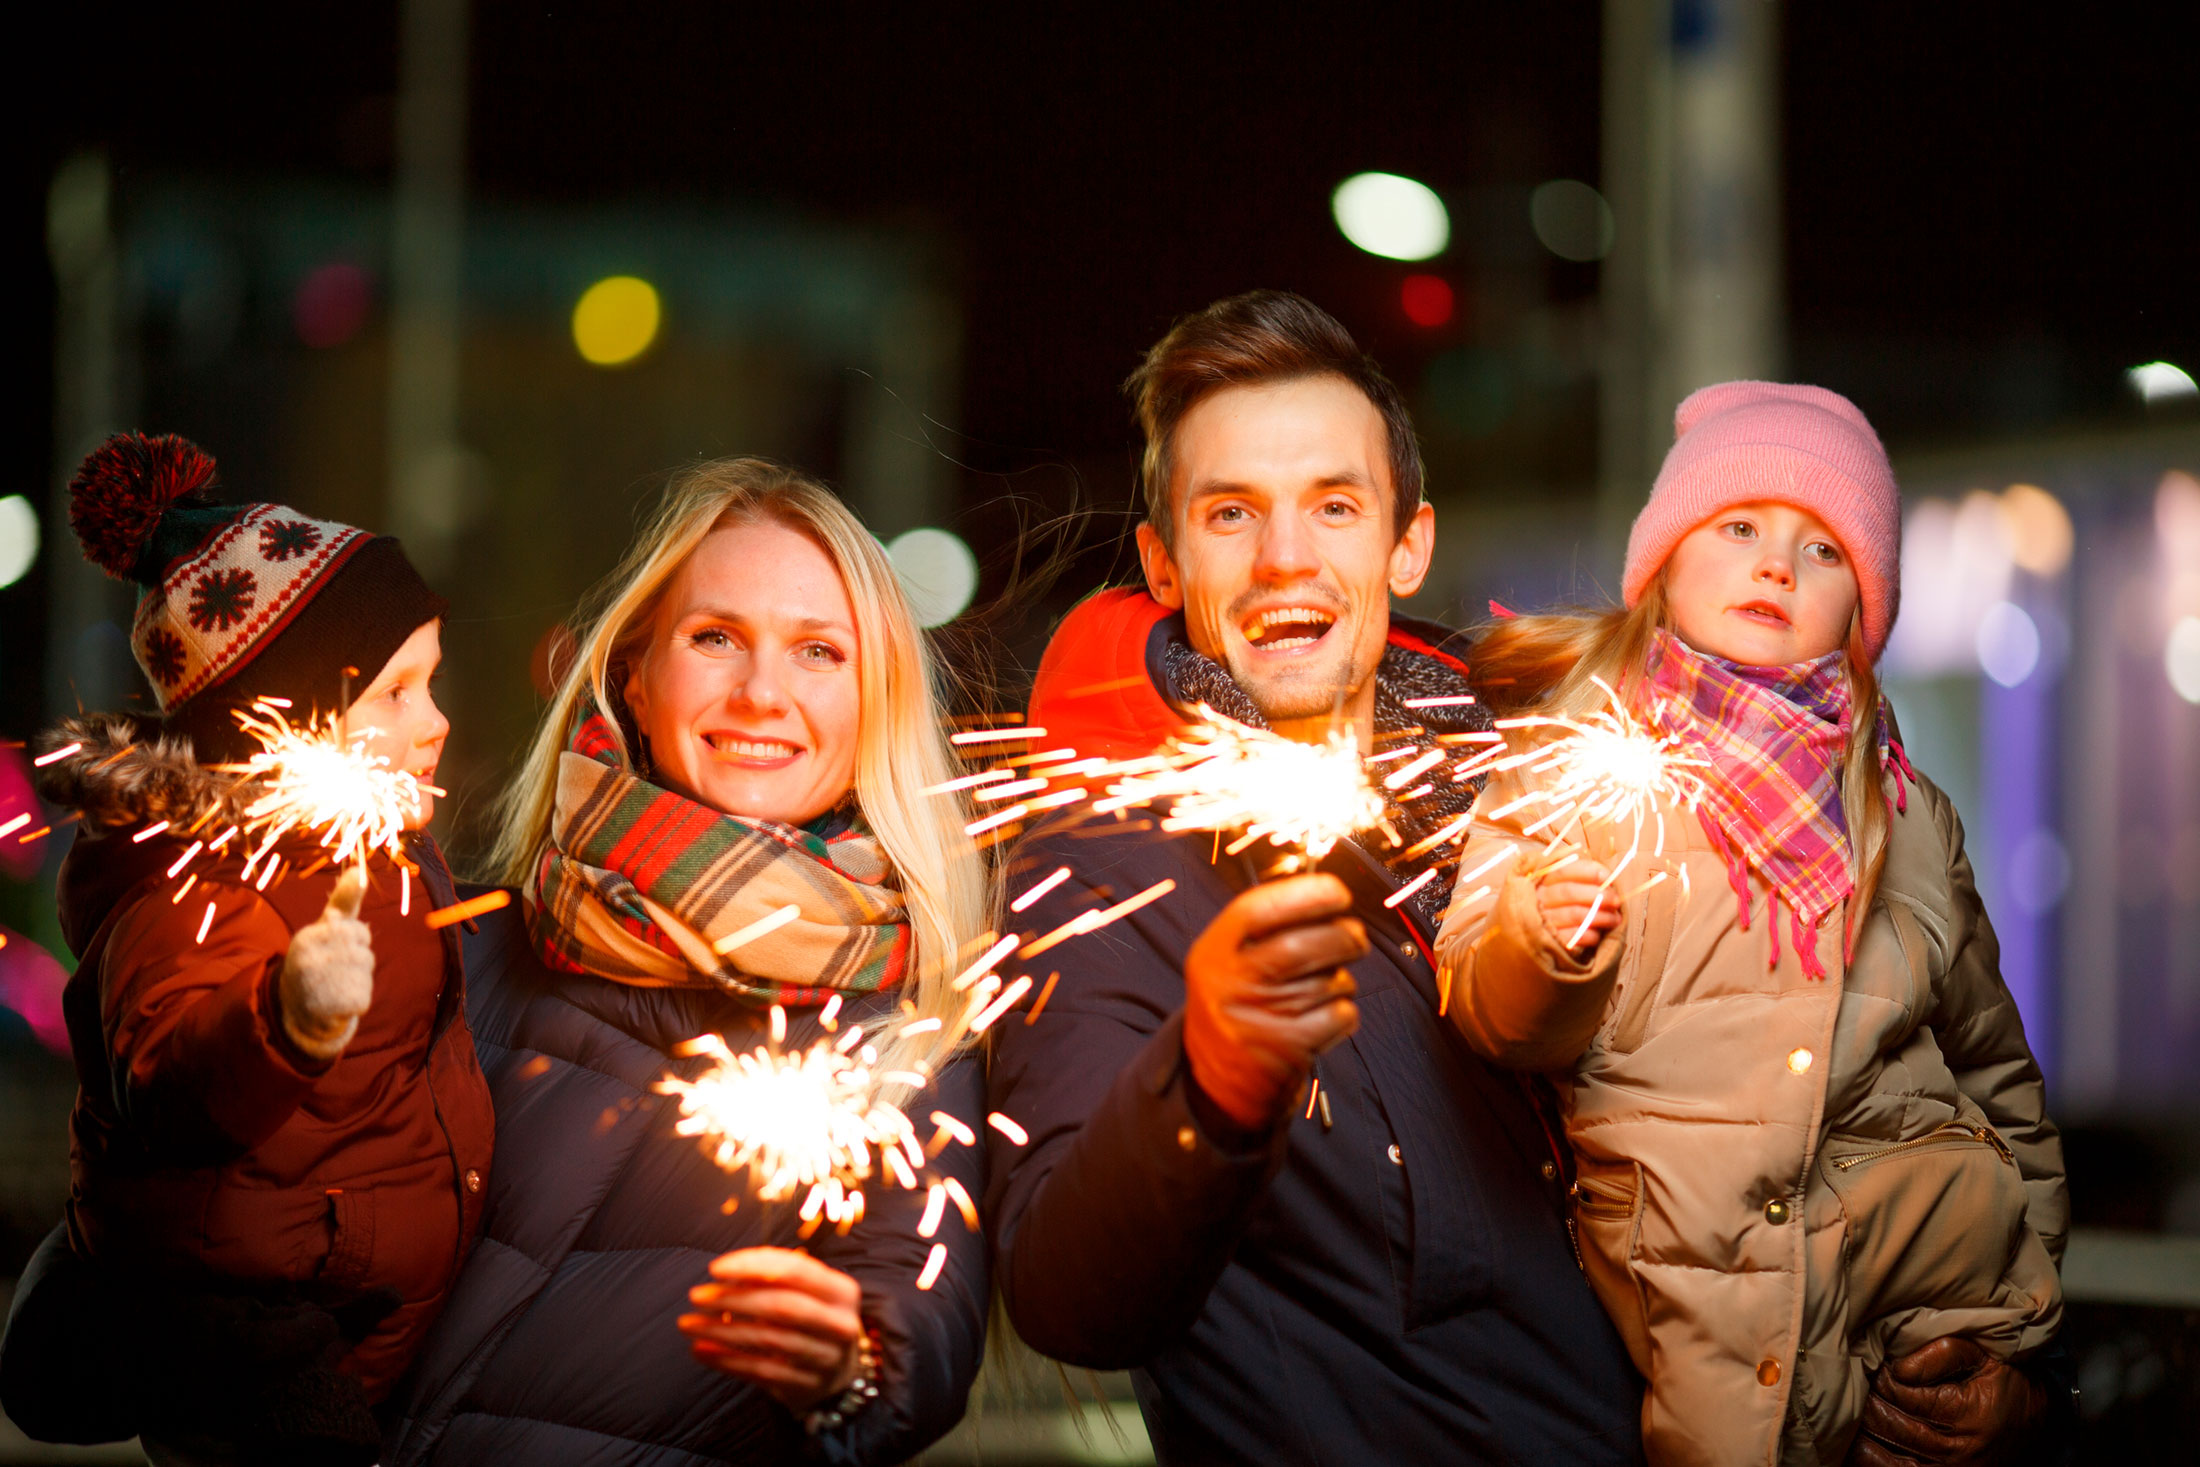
[(781, 1319), (1564, 896)]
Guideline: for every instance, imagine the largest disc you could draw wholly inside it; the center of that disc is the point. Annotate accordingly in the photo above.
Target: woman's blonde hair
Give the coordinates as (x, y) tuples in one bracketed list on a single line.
[(1550, 663), (901, 747)]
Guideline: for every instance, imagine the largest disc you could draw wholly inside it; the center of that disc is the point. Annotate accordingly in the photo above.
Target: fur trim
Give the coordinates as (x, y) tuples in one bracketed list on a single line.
[(127, 772)]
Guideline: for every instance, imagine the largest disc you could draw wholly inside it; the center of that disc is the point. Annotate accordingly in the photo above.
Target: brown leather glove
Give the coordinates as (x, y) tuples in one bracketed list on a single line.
[(1950, 1402)]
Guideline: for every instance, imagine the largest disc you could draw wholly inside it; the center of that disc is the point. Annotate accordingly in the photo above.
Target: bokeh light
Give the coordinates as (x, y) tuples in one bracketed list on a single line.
[(2181, 659), (2008, 644), (616, 320), (331, 305), (1427, 300), (18, 538), (938, 573), (1391, 216), (2161, 382), (2040, 536), (1572, 220)]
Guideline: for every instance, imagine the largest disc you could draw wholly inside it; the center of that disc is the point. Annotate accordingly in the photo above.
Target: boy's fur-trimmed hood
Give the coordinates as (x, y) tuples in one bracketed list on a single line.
[(126, 771)]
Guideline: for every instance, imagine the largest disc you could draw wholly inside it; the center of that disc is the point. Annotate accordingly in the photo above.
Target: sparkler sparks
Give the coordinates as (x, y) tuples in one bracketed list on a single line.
[(1609, 767), (315, 778), (809, 1122), (1222, 775)]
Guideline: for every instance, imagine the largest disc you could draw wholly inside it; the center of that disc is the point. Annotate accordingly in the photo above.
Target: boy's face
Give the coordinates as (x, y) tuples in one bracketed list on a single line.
[(1284, 557), (1761, 584), (398, 717)]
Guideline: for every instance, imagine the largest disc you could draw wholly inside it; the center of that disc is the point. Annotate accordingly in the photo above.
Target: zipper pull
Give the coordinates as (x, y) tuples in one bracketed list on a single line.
[(1993, 1138)]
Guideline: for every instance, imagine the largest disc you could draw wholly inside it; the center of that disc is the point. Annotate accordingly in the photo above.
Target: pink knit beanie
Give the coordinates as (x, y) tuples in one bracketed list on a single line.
[(1742, 442)]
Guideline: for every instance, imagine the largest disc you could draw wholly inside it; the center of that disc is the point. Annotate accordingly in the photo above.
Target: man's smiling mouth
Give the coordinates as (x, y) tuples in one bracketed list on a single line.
[(1287, 628)]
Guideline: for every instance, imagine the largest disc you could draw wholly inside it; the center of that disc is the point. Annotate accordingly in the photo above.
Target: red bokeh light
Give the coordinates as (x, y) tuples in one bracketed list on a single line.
[(331, 305), (1427, 300)]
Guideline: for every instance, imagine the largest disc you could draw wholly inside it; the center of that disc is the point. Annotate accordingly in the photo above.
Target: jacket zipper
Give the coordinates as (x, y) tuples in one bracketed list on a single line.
[(1983, 1134)]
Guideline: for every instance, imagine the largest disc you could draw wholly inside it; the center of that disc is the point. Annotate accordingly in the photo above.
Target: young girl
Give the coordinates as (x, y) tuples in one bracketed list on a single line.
[(281, 1138), (1808, 1134)]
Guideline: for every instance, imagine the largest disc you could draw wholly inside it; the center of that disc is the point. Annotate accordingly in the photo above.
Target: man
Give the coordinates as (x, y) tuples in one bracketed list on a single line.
[(1377, 1269), (1262, 1173)]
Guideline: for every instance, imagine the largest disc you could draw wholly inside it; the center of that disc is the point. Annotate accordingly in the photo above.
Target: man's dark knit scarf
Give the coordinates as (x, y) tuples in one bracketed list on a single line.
[(1402, 675)]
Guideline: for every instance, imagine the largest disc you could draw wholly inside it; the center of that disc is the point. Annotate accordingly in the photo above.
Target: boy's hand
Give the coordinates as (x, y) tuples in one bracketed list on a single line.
[(1564, 896), (328, 974)]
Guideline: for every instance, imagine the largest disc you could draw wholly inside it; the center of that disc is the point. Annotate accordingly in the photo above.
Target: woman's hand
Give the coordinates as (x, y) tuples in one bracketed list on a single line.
[(1565, 896), (781, 1319)]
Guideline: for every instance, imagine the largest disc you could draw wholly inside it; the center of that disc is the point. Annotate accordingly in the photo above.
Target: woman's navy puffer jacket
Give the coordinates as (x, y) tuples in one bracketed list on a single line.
[(558, 1345)]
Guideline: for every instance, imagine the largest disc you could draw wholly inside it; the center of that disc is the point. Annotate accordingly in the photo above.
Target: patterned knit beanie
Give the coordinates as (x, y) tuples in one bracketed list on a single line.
[(1742, 442), (241, 600)]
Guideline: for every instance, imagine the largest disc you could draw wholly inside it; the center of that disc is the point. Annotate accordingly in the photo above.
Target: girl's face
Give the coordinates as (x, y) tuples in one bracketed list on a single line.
[(747, 695), (398, 716), (1762, 584)]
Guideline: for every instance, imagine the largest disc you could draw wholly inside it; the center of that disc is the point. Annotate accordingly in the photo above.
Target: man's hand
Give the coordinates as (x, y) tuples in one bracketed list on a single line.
[(1566, 895), (1265, 992), (781, 1319), (1949, 1402)]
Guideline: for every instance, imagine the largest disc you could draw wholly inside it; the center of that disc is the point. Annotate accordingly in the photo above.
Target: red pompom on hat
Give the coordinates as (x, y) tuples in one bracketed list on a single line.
[(122, 489), (1745, 442), (241, 600)]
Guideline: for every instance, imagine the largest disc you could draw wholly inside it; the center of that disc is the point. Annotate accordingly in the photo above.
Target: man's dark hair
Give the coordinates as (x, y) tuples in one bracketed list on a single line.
[(1261, 336)]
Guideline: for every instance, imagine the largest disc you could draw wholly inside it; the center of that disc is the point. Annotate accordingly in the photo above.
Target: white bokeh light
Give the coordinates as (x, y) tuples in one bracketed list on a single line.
[(938, 573), (2181, 659), (2161, 382), (2008, 644), (1391, 216), (18, 538)]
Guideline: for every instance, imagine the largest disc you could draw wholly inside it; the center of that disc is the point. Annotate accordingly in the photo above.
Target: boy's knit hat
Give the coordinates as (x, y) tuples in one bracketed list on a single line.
[(241, 600), (1741, 442)]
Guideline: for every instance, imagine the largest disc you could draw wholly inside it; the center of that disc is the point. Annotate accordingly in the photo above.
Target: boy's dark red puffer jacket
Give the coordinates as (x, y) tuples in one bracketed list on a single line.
[(207, 1149)]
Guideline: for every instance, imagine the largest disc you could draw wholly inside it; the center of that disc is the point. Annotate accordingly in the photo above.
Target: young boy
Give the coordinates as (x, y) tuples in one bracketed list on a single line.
[(281, 1136)]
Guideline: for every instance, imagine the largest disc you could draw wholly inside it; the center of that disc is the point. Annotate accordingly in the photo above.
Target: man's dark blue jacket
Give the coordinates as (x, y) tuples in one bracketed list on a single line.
[(1389, 1280), (558, 1343)]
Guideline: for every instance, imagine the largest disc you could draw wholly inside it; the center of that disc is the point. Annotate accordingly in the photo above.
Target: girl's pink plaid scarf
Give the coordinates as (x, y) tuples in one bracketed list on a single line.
[(1774, 737)]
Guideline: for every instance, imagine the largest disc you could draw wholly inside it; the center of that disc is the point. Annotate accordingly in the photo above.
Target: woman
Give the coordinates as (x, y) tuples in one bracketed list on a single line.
[(750, 722)]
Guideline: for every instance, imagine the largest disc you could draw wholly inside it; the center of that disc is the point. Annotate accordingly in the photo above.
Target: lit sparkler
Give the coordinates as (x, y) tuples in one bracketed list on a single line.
[(1221, 775), (809, 1122), (1609, 766), (316, 778)]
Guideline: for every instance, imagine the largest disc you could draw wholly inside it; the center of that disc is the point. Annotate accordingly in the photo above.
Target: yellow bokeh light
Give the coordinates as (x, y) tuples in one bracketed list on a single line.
[(616, 320), (2040, 533)]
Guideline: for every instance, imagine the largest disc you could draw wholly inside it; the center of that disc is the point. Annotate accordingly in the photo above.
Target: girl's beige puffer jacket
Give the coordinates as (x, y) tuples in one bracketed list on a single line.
[(1782, 1181)]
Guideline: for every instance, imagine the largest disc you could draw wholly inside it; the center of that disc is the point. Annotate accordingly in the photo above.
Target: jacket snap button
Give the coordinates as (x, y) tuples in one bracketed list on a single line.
[(1394, 1156), (473, 1180), (1768, 1372), (1776, 1213), (1550, 1171), (1799, 1060), (1186, 1137), (1406, 948)]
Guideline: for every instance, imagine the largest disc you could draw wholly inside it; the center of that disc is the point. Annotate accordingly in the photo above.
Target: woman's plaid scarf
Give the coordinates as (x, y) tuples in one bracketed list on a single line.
[(638, 883), (1774, 738)]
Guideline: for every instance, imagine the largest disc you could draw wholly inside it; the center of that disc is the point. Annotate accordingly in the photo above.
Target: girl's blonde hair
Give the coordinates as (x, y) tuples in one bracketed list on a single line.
[(1549, 663), (901, 747)]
